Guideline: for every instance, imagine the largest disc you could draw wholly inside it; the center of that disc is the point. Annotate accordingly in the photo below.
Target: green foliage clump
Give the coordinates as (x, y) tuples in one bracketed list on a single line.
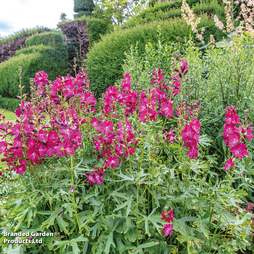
[(173, 9), (54, 39), (36, 48), (83, 5), (82, 13), (22, 33), (52, 61), (105, 59), (97, 28), (10, 104)]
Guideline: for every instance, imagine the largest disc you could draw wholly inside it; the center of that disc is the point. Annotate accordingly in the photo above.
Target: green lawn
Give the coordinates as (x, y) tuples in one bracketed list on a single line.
[(11, 117)]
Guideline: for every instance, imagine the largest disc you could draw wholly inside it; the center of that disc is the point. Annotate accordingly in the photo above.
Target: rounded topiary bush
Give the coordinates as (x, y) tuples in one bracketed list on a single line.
[(46, 51), (54, 39), (40, 49), (105, 59), (48, 59)]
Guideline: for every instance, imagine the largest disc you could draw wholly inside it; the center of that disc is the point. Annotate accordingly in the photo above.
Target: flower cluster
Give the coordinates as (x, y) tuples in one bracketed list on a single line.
[(96, 176), (234, 136), (190, 135), (169, 136), (31, 139), (167, 216)]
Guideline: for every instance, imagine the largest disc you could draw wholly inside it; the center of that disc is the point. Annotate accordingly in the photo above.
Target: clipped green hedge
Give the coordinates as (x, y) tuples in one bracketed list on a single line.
[(83, 5), (9, 103), (173, 9), (97, 28), (39, 48), (105, 59), (54, 39), (52, 61), (23, 33)]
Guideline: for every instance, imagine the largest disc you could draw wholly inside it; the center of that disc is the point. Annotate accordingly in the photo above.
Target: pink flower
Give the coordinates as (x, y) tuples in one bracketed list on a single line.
[(90, 178), (3, 147), (184, 66), (233, 139), (167, 216), (239, 151), (131, 151), (190, 135), (193, 152), (41, 78), (229, 164), (42, 135), (168, 229), (106, 127), (20, 169), (59, 149), (52, 137), (16, 130), (112, 161), (249, 134), (68, 148), (97, 177), (167, 109), (126, 83)]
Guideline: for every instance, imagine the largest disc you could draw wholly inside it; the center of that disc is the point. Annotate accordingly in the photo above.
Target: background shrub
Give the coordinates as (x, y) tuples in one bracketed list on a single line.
[(173, 9), (9, 104), (97, 28), (38, 48), (105, 59), (52, 61), (54, 39), (23, 33)]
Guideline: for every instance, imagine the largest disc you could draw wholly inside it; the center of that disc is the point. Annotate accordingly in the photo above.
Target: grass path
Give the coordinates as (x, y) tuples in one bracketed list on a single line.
[(11, 117)]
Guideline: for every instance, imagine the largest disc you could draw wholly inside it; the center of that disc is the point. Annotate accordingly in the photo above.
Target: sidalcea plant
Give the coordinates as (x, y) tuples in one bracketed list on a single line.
[(133, 170)]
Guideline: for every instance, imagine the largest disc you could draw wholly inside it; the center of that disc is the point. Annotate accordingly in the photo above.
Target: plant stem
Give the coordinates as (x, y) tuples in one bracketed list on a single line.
[(231, 176), (73, 193)]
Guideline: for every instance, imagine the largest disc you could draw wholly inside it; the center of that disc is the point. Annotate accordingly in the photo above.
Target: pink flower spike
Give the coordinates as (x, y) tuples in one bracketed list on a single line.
[(168, 229), (249, 134), (72, 188), (229, 164)]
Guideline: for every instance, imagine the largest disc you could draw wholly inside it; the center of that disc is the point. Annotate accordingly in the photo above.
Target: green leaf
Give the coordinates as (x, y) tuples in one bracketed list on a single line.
[(109, 243), (50, 221), (69, 208), (131, 235), (29, 217), (20, 219), (74, 244), (118, 207), (147, 245), (62, 224), (204, 141)]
